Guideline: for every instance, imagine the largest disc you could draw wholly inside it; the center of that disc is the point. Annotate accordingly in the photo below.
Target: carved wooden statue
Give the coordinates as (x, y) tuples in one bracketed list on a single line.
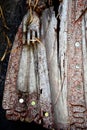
[(27, 94), (44, 81)]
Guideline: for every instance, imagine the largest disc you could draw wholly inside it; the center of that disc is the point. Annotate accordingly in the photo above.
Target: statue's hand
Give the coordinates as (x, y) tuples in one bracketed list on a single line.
[(33, 32), (31, 28)]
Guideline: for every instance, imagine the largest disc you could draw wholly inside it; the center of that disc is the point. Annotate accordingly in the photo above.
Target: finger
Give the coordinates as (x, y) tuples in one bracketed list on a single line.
[(38, 33), (28, 37), (24, 38), (25, 19), (33, 37)]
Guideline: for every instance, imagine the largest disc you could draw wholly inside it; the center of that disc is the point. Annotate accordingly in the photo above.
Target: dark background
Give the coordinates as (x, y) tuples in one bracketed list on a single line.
[(13, 10)]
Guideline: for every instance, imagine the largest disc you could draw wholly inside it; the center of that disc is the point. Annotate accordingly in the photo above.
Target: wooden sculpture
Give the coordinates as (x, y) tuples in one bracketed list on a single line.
[(27, 94), (46, 80)]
